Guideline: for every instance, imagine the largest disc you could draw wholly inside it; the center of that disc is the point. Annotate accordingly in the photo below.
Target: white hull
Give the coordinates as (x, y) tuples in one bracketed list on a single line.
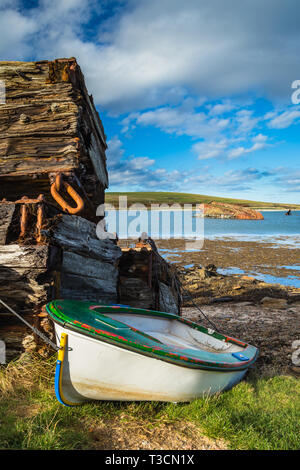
[(95, 370)]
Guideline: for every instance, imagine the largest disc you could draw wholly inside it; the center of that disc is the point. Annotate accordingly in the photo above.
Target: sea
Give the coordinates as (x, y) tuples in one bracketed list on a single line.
[(180, 224), (276, 228)]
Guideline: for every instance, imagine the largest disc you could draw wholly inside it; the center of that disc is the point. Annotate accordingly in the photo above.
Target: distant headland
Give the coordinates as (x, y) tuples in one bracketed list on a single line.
[(218, 207)]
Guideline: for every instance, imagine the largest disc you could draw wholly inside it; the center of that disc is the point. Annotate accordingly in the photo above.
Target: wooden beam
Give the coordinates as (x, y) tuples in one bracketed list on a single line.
[(79, 235), (6, 216)]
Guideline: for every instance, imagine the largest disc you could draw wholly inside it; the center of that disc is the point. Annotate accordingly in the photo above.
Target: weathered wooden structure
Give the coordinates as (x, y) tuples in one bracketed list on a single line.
[(52, 154), (65, 259), (145, 279), (69, 261), (49, 125)]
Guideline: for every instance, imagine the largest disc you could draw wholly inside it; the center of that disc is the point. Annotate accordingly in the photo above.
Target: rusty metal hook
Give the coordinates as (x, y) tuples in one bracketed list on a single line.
[(55, 188)]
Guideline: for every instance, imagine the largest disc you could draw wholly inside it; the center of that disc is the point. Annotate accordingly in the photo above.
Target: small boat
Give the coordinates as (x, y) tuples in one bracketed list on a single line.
[(116, 352)]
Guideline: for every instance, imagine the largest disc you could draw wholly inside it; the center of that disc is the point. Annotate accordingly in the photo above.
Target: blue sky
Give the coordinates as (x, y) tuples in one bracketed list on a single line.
[(195, 96)]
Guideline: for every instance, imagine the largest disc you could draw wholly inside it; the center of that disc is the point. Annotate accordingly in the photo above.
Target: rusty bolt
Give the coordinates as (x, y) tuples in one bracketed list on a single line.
[(54, 107), (24, 118)]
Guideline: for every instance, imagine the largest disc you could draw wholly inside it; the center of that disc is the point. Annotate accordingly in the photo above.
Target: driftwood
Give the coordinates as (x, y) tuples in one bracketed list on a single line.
[(49, 124), (6, 216)]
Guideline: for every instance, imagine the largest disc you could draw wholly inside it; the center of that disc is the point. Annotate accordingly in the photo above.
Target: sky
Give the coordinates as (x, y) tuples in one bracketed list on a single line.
[(195, 95)]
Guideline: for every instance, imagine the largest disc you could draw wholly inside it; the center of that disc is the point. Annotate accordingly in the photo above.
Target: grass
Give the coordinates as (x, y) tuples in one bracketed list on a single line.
[(148, 198), (260, 413)]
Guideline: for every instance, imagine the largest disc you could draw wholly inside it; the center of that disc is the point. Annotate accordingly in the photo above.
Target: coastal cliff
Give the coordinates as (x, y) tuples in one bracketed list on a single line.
[(221, 210)]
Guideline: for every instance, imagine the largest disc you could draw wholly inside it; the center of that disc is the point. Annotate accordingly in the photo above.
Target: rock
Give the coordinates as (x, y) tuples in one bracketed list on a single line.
[(243, 304), (221, 299), (211, 269), (273, 302), (29, 343), (230, 211), (295, 369), (248, 278), (203, 274), (193, 286)]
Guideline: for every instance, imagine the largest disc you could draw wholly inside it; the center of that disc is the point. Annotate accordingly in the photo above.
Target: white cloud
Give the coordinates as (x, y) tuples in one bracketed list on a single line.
[(140, 163), (139, 173), (221, 108), (178, 120), (210, 149), (245, 121), (259, 143), (284, 119), (219, 136), (288, 180), (14, 30), (146, 53), (134, 172)]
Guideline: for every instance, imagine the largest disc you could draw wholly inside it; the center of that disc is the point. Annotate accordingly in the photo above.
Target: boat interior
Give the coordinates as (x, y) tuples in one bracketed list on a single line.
[(172, 332)]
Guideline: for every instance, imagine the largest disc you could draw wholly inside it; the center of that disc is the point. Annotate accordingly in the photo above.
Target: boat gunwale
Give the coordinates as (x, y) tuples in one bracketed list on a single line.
[(155, 351)]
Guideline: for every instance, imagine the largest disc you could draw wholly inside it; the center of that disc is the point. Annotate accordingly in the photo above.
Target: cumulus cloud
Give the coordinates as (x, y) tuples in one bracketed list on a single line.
[(284, 119), (221, 108), (259, 142), (15, 29), (136, 172), (144, 53), (169, 65), (245, 120), (179, 121), (210, 149), (140, 174), (288, 180), (219, 134)]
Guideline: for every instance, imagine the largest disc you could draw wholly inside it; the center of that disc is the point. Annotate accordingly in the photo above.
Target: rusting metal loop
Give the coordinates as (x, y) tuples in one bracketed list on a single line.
[(55, 188), (58, 182)]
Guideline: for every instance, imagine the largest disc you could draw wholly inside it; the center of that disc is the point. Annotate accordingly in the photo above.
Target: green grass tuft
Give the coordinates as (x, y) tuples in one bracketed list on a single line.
[(260, 413)]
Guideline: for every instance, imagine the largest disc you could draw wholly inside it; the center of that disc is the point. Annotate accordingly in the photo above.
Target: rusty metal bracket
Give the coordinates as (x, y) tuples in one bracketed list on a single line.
[(23, 220), (56, 187), (24, 215), (39, 221)]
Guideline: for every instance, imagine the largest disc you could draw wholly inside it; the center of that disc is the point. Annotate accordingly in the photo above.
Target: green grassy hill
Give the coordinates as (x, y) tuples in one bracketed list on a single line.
[(148, 198)]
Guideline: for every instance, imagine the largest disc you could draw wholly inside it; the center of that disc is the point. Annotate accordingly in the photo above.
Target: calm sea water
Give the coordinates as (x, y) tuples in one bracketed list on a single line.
[(276, 228), (165, 224), (274, 224)]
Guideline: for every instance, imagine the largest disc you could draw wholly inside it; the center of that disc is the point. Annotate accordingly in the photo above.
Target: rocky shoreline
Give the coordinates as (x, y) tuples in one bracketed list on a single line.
[(264, 314)]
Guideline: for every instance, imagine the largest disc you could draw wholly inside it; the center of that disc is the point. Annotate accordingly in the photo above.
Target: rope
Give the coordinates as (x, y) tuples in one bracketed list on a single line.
[(35, 330), (197, 306)]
